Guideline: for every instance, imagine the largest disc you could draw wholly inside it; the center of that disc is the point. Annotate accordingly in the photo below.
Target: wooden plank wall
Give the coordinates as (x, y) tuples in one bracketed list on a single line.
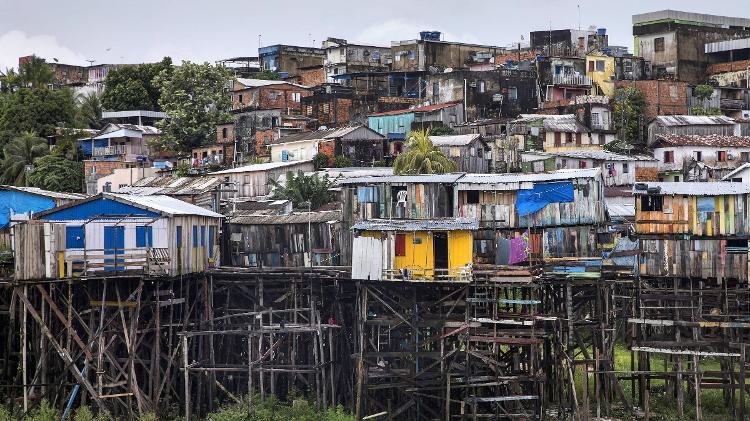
[(553, 242), (681, 215), (692, 258)]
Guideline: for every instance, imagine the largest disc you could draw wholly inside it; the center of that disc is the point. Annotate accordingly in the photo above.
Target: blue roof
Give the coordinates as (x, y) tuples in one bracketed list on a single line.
[(21, 202), (102, 206)]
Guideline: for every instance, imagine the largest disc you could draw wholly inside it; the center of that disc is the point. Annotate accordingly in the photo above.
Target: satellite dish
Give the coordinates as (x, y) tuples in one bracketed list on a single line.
[(448, 70)]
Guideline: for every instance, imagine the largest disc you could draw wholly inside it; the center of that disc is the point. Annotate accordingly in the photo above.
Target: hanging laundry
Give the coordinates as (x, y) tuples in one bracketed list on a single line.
[(519, 249)]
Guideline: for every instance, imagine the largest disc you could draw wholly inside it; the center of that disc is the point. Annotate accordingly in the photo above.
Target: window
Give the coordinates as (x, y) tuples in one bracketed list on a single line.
[(568, 137), (698, 155), (558, 137), (581, 164), (195, 235), (239, 99), (211, 240), (144, 236), (591, 66), (224, 133), (296, 96), (651, 203), (178, 234), (594, 119), (677, 179), (481, 86), (600, 65), (625, 168), (472, 197), (602, 139), (668, 157), (721, 156), (400, 245), (435, 89), (578, 139), (659, 45), (93, 169), (75, 237), (745, 156), (563, 163), (513, 93), (203, 236)]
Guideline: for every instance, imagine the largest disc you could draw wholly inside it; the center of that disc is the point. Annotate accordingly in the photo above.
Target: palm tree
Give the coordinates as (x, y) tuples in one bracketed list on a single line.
[(422, 157), (20, 152), (9, 80), (304, 189), (89, 111)]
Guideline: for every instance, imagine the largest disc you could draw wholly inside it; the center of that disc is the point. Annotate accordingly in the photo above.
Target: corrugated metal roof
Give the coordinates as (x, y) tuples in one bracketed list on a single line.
[(565, 174), (423, 109), (598, 154), (170, 185), (695, 188), (327, 134), (445, 224), (735, 44), (456, 140), (134, 113), (555, 122), (46, 193), (693, 120), (618, 210), (292, 218), (260, 167), (736, 171), (714, 140), (257, 83), (427, 178), (164, 204)]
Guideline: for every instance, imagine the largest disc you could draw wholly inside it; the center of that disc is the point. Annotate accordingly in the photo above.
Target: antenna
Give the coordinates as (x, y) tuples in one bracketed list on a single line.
[(91, 62), (579, 17)]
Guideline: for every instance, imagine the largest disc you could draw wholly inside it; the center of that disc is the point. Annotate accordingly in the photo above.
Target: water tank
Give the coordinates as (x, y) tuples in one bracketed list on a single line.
[(429, 35), (601, 32)]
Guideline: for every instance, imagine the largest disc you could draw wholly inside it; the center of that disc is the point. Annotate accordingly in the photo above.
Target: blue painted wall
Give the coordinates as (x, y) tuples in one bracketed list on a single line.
[(21, 202), (386, 124), (85, 145), (98, 207)]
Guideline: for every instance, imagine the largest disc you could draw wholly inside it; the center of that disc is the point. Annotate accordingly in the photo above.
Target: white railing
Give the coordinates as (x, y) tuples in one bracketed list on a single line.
[(110, 150), (573, 80), (463, 273)]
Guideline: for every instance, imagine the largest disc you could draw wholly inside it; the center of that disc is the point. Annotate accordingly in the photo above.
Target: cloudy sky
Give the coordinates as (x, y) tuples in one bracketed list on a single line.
[(135, 31)]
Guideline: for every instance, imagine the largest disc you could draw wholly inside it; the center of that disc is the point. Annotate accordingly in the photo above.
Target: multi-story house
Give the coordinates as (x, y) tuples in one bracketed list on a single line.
[(267, 94), (343, 58), (429, 52), (288, 59), (729, 74), (699, 157)]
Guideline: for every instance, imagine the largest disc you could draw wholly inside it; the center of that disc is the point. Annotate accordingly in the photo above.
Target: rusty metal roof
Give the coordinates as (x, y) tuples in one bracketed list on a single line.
[(711, 140), (292, 218), (173, 186), (693, 120), (717, 188), (441, 224)]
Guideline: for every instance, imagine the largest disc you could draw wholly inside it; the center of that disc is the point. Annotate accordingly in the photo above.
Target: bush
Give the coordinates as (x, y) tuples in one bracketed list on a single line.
[(320, 161), (272, 409), (341, 161)]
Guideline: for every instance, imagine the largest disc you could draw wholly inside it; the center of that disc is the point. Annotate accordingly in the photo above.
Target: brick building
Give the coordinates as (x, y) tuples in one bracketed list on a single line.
[(268, 94), (662, 97)]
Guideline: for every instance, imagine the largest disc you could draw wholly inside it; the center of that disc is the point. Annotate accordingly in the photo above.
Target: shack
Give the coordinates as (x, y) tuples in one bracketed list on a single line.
[(291, 240), (693, 229), (253, 180), (114, 234), (469, 151), (432, 249)]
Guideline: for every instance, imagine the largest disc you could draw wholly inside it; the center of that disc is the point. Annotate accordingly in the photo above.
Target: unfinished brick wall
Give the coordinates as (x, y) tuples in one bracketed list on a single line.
[(327, 148), (283, 96), (225, 133), (662, 97), (312, 77), (262, 139), (103, 167), (732, 66), (330, 112)]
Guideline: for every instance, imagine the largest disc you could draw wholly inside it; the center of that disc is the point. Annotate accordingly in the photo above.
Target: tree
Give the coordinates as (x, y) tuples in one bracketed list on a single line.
[(319, 161), (301, 189), (19, 153), (89, 111), (441, 131), (9, 80), (195, 98), (628, 106), (36, 110), (703, 92), (133, 88), (57, 173), (35, 73), (422, 157), (341, 161)]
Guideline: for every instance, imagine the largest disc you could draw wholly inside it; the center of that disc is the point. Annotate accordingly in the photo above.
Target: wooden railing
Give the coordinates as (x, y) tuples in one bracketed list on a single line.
[(462, 273), (80, 262)]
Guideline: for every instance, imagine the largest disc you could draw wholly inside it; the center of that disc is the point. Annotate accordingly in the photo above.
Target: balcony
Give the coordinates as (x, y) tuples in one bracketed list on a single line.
[(733, 104), (110, 150), (571, 80)]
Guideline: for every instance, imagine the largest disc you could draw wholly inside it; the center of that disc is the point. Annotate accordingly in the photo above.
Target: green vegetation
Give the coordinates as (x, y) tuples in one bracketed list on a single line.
[(422, 157), (320, 161), (628, 107), (19, 153), (703, 92), (195, 97), (133, 87), (302, 189), (441, 131), (341, 161), (266, 75), (57, 173)]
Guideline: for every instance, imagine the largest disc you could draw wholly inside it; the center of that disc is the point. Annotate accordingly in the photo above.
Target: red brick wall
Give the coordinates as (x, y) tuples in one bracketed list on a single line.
[(329, 112), (327, 148), (312, 77), (732, 66), (262, 139), (102, 167), (273, 96), (662, 97), (220, 133)]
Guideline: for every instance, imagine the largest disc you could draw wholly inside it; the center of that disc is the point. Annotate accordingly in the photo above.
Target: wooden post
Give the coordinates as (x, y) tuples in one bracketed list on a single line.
[(24, 339), (186, 377), (742, 382)]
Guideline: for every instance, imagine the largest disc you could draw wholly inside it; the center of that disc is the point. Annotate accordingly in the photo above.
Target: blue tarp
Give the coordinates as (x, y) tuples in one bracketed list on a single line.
[(367, 194), (529, 201), (20, 202)]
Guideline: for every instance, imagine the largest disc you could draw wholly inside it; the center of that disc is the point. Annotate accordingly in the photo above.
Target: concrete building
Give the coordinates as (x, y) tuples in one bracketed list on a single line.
[(429, 52), (729, 74), (362, 145), (342, 57), (673, 42), (288, 59), (266, 94)]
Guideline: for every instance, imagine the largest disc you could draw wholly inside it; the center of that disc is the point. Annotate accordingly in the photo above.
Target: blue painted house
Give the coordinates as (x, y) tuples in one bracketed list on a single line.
[(118, 233)]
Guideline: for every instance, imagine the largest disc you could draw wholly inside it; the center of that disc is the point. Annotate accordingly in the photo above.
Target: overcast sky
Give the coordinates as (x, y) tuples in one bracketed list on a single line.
[(135, 31)]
